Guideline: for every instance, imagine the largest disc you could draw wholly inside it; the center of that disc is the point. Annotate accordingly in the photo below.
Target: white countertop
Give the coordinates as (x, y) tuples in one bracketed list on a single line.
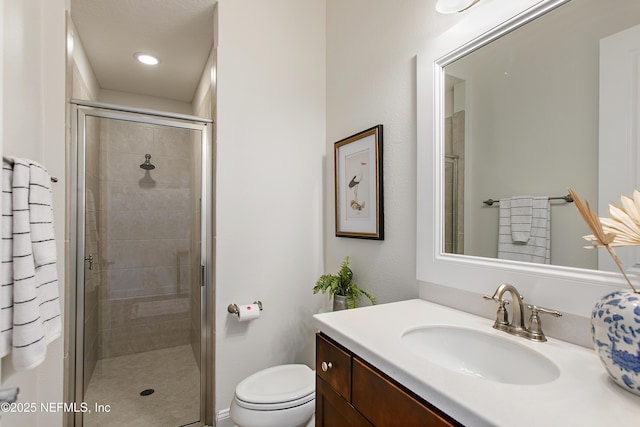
[(583, 395)]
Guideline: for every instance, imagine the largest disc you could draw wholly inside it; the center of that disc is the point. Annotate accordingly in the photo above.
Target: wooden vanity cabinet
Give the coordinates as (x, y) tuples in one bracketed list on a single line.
[(350, 392)]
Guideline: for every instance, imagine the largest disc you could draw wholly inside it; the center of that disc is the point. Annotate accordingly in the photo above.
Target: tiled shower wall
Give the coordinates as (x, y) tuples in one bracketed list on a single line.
[(454, 141), (145, 236)]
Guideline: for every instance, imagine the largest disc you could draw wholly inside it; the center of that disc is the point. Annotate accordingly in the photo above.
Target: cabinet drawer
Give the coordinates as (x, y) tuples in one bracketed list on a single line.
[(337, 368), (386, 404), (333, 410)]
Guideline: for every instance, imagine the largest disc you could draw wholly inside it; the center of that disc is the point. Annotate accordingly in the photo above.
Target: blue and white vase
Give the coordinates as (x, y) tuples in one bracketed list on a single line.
[(615, 328)]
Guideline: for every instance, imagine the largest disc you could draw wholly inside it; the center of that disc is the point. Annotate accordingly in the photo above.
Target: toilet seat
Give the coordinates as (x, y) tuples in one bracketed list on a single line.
[(279, 387), (275, 406)]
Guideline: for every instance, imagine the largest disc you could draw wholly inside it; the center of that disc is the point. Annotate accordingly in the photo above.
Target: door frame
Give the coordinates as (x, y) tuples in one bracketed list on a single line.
[(77, 206)]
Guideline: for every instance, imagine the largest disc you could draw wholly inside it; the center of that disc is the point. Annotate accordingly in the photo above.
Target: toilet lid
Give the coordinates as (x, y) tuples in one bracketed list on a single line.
[(279, 384)]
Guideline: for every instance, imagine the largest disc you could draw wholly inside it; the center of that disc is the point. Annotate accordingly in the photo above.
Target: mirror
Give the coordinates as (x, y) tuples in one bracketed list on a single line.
[(522, 119), (522, 136)]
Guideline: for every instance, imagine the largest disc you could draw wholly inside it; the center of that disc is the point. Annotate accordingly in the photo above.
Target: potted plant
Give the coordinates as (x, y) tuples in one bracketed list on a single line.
[(345, 293)]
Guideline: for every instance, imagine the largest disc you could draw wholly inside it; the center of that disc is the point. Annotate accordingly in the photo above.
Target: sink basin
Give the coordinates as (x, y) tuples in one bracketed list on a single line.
[(480, 354)]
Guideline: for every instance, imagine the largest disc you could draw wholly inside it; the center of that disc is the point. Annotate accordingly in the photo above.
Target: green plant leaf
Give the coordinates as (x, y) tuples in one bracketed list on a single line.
[(342, 284)]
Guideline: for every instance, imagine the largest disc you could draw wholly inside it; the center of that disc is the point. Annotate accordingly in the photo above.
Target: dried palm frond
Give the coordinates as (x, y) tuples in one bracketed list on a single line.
[(623, 229), (599, 238), (624, 221)]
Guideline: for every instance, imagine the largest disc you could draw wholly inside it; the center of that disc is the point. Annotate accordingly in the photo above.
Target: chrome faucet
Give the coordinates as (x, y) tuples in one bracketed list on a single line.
[(533, 329)]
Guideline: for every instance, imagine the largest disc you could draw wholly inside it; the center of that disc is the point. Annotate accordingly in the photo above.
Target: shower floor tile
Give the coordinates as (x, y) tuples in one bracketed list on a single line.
[(117, 382)]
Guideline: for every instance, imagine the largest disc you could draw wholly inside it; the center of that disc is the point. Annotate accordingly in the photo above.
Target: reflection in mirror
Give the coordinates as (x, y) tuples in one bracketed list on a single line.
[(522, 119), (454, 175)]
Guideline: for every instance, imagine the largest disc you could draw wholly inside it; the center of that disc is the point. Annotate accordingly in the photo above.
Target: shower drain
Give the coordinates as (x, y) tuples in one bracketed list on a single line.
[(147, 392)]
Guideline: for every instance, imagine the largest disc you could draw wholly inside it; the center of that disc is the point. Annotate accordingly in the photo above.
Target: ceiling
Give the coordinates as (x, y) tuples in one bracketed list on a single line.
[(178, 32)]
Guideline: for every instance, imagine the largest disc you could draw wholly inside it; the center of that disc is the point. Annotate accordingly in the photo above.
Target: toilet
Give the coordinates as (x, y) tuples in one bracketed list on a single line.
[(281, 396)]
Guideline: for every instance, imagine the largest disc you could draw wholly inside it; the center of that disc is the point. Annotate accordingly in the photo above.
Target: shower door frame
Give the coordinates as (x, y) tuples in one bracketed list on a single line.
[(75, 314)]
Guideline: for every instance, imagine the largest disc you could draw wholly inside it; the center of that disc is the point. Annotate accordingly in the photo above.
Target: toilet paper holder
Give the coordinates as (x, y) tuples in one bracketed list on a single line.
[(233, 308)]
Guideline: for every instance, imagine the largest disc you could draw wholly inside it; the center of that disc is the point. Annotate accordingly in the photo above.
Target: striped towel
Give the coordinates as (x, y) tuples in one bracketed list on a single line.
[(36, 305), (521, 218), (44, 250), (6, 268), (538, 247)]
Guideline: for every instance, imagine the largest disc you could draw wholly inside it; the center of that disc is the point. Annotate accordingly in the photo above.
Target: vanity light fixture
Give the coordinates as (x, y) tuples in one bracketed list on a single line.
[(454, 6), (147, 59)]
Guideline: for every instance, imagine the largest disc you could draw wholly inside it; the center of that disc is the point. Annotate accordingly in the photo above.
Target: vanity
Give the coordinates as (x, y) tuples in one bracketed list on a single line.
[(396, 364), (350, 391)]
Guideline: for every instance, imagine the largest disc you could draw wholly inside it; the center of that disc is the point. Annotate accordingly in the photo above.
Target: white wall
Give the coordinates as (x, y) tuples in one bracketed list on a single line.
[(33, 80), (371, 48), (87, 87), (270, 144), (202, 99)]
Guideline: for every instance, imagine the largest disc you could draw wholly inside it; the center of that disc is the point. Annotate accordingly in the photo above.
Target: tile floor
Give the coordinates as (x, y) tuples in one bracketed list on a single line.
[(117, 382)]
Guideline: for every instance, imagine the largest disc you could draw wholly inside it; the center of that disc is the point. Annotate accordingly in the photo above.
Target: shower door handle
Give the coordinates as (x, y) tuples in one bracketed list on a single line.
[(90, 259)]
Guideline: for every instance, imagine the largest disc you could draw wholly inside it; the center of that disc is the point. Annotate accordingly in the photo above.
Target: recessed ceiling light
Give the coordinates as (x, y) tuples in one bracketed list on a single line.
[(146, 59)]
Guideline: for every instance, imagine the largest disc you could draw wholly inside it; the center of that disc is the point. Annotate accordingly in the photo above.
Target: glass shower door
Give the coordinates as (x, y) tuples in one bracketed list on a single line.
[(142, 297)]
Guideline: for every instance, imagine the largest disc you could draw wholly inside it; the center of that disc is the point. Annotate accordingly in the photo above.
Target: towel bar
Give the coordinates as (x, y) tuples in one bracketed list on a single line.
[(567, 198), (9, 161)]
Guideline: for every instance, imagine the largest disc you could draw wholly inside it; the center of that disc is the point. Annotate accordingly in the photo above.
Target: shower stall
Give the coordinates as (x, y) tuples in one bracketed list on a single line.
[(143, 251)]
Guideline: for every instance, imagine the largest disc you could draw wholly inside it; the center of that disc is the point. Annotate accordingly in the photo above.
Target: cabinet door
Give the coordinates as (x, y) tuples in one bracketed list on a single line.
[(333, 411), (386, 404), (333, 365)]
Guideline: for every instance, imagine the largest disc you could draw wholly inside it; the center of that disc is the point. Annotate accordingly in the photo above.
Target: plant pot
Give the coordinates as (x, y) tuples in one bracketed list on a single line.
[(339, 302), (615, 328)]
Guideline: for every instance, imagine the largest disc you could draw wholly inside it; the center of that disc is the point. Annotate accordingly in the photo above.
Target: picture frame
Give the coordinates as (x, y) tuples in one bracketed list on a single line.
[(359, 192)]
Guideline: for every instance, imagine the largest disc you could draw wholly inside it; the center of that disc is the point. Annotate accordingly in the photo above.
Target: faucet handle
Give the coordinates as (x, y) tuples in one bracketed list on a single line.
[(535, 309), (502, 317), (535, 326), (502, 302), (496, 299)]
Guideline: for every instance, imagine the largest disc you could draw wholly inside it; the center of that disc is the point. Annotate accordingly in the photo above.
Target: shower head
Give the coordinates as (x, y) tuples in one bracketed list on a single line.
[(147, 165)]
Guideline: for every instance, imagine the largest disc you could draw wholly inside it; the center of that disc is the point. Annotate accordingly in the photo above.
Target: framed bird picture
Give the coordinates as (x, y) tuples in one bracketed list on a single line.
[(358, 180)]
